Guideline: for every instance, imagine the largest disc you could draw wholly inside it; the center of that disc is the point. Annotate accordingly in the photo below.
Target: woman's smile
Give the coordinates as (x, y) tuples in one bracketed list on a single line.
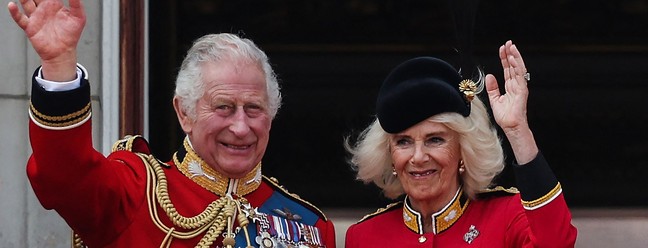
[(425, 174)]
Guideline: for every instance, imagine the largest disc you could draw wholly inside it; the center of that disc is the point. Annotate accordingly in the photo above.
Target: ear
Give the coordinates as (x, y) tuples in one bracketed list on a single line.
[(185, 121)]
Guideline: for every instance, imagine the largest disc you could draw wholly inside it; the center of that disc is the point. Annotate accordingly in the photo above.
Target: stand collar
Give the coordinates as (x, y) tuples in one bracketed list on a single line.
[(441, 220), (196, 169)]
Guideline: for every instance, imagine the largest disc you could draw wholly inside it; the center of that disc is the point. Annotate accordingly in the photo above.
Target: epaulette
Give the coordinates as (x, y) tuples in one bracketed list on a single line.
[(382, 210), (497, 191), (132, 143), (275, 184)]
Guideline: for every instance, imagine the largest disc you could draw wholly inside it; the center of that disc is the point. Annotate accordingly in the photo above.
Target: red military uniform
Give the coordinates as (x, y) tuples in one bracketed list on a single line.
[(129, 198), (538, 217)]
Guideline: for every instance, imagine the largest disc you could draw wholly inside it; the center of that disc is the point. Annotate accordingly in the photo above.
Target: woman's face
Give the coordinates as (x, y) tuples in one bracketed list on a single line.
[(426, 158)]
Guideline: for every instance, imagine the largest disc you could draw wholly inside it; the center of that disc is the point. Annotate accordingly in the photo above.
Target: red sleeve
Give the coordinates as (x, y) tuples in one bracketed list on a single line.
[(349, 241), (68, 175), (548, 226), (546, 219), (329, 232)]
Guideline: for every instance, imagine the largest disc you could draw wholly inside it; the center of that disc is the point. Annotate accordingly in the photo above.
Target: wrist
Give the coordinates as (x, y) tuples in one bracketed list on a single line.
[(60, 69), (522, 143), (519, 130)]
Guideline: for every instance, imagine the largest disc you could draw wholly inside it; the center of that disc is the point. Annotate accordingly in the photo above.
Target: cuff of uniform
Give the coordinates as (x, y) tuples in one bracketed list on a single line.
[(537, 183), (59, 110)]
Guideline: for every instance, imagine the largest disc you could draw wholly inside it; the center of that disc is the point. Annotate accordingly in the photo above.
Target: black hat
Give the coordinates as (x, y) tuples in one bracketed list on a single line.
[(417, 89)]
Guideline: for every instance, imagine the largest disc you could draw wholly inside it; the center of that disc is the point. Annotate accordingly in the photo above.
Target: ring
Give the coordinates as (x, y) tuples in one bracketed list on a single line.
[(527, 76)]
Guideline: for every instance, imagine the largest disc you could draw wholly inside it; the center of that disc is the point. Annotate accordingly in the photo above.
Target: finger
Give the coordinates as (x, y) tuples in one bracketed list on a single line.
[(518, 56), (28, 6), (515, 65), (504, 62), (492, 88), (515, 59), (517, 72), (76, 8), (17, 16)]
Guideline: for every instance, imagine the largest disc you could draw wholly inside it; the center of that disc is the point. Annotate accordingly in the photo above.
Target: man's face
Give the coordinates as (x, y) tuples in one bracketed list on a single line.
[(231, 128)]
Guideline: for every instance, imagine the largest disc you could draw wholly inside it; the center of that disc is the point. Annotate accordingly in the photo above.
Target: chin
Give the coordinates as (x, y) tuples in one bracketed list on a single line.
[(425, 194), (235, 171)]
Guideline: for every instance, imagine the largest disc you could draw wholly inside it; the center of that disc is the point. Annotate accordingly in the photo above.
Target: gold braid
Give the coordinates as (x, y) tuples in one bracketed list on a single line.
[(243, 221), (76, 241), (211, 221)]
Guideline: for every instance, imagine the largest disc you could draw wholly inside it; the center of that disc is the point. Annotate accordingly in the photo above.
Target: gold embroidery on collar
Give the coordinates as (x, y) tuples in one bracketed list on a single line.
[(412, 219), (441, 220), (197, 170), (450, 214)]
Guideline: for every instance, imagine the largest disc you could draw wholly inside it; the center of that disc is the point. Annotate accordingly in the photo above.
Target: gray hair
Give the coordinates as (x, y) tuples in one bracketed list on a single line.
[(218, 48), (481, 150)]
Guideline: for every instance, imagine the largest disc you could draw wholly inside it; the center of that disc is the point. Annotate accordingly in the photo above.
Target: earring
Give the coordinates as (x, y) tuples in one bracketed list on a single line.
[(394, 171), (462, 167)]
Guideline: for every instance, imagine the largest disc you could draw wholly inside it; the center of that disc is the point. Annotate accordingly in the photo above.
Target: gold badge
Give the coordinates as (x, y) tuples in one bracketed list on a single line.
[(468, 87)]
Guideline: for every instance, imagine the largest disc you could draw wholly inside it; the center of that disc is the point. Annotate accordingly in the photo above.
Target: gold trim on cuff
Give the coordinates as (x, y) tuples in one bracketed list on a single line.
[(60, 121), (544, 199)]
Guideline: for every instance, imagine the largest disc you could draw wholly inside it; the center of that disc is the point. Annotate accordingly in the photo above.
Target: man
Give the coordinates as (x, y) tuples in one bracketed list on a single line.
[(211, 194)]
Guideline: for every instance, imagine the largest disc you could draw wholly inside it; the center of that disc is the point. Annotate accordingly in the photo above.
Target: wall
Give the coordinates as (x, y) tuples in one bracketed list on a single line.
[(23, 221)]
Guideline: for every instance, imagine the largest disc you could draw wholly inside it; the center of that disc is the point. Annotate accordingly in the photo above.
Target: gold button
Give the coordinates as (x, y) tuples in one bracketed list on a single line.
[(422, 239)]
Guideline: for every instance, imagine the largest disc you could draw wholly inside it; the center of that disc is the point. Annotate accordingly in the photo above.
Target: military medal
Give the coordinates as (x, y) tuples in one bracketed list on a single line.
[(264, 240), (283, 231)]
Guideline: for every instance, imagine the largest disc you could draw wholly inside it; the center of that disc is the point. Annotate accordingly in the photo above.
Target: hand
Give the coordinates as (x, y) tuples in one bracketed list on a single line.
[(509, 109), (54, 31)]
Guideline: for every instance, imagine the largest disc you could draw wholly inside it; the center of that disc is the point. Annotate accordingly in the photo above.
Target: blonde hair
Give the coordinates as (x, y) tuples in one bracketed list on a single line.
[(481, 150)]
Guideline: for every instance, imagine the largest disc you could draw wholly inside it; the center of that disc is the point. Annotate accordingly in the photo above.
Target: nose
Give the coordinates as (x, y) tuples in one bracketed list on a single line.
[(239, 123), (420, 154)]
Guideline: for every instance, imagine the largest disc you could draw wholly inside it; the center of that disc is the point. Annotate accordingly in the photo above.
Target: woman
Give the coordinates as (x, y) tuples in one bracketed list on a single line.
[(433, 142)]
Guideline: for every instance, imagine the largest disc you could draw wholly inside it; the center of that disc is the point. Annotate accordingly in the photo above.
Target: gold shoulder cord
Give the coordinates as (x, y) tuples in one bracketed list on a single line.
[(212, 221), (77, 242)]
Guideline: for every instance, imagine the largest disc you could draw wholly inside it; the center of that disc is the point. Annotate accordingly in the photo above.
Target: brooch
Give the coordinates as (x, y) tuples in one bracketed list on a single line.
[(468, 87), (471, 234)]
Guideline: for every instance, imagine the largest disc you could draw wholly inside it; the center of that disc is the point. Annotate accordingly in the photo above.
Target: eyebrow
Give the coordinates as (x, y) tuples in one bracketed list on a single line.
[(437, 133), (433, 133)]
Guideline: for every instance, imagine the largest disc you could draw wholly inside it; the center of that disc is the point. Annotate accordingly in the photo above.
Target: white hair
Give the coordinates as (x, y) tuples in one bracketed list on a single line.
[(219, 48)]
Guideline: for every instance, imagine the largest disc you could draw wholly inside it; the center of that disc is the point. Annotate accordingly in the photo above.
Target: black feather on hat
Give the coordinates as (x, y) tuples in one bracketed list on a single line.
[(418, 89)]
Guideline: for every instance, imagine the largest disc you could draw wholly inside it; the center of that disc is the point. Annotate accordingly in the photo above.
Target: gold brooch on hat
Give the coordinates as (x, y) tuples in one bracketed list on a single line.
[(468, 88)]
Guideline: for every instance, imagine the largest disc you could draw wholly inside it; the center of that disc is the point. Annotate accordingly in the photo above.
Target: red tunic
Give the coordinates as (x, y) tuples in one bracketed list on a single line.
[(104, 199), (496, 219)]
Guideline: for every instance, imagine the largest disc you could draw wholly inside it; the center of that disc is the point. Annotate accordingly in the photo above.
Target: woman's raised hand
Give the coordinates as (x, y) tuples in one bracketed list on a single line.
[(510, 108)]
